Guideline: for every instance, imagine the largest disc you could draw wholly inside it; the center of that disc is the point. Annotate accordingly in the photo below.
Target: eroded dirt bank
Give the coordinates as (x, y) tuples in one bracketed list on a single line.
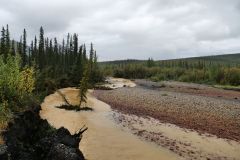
[(104, 139), (29, 137)]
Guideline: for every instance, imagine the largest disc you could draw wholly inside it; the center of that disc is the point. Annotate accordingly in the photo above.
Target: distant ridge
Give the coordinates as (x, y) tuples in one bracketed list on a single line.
[(224, 58)]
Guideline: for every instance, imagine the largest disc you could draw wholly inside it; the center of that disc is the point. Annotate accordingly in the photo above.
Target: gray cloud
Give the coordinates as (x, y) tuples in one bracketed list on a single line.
[(133, 29)]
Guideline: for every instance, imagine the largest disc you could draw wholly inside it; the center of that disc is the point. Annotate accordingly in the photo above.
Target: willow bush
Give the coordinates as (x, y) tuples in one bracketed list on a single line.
[(16, 83)]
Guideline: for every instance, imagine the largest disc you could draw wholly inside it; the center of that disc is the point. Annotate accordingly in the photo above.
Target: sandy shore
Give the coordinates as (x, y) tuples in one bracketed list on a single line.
[(184, 142), (115, 83)]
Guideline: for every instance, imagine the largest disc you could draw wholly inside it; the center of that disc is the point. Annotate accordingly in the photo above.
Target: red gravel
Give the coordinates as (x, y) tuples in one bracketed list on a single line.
[(216, 116), (191, 88)]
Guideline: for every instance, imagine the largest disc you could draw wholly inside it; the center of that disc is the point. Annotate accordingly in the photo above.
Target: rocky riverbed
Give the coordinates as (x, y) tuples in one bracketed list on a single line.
[(215, 119)]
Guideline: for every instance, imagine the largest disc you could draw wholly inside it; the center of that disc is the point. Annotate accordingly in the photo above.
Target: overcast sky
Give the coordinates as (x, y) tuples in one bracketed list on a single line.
[(134, 29)]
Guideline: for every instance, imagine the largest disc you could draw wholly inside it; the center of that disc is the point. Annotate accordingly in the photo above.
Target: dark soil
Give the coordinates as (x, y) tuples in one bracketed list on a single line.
[(29, 137), (102, 88), (75, 108)]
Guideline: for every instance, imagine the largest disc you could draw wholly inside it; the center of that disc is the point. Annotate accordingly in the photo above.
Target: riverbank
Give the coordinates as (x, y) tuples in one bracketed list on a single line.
[(186, 143), (29, 137)]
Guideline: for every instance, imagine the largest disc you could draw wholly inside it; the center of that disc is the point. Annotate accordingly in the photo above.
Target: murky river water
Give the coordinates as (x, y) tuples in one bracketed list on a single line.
[(104, 140)]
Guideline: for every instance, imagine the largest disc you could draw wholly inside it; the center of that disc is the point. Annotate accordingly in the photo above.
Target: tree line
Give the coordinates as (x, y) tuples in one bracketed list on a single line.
[(60, 62), (198, 70)]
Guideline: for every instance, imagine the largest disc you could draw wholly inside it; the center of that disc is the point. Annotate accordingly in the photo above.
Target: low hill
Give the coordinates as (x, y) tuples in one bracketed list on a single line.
[(227, 59)]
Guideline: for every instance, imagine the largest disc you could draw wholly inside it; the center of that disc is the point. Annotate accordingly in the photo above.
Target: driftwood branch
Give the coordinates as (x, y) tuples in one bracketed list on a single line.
[(63, 96), (82, 130)]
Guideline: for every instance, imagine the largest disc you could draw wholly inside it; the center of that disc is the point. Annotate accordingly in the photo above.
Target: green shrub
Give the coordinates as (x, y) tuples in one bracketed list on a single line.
[(15, 83), (218, 75), (5, 114), (232, 76), (158, 77)]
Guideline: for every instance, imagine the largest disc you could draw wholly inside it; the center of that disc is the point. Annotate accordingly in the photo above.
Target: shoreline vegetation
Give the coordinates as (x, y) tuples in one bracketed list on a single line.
[(228, 87)]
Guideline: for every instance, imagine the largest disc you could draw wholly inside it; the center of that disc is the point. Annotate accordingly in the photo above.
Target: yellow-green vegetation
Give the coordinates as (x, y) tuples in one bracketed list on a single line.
[(16, 85), (228, 87), (26, 81)]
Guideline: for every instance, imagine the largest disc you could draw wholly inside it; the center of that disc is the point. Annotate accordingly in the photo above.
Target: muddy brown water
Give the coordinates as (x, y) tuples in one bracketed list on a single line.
[(104, 140)]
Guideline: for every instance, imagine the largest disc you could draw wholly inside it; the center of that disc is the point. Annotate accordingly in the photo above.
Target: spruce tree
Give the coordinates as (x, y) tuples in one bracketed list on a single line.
[(24, 53), (41, 57), (91, 57), (56, 58), (13, 48), (79, 57), (63, 59), (150, 62), (46, 53), (2, 43), (91, 63), (67, 51), (84, 87), (29, 57), (20, 47), (84, 55), (71, 51), (8, 45), (32, 55), (50, 53), (35, 53), (95, 67), (75, 46)]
